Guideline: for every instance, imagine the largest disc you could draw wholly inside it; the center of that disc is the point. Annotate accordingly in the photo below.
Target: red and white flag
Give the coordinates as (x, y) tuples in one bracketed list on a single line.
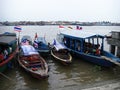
[(36, 36), (61, 26), (78, 27)]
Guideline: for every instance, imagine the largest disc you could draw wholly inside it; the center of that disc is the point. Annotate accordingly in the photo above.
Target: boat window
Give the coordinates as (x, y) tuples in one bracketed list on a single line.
[(73, 44), (60, 38), (66, 41), (78, 45), (95, 41), (88, 45), (92, 46)]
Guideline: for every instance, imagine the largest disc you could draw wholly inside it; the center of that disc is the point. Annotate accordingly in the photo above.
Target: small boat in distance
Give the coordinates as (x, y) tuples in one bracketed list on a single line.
[(88, 46), (61, 53), (8, 50), (31, 61)]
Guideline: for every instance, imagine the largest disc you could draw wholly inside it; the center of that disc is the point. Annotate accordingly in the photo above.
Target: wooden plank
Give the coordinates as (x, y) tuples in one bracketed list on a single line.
[(109, 59)]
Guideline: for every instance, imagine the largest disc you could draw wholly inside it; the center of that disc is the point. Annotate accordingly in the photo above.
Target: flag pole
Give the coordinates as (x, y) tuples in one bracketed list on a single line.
[(18, 29), (19, 39)]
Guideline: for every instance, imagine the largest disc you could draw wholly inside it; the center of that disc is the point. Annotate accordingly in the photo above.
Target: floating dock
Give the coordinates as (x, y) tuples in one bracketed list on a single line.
[(114, 43)]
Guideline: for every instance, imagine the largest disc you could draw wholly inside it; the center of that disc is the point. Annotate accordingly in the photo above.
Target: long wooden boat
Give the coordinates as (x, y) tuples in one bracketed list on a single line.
[(8, 50), (61, 53), (40, 44), (32, 62), (88, 46)]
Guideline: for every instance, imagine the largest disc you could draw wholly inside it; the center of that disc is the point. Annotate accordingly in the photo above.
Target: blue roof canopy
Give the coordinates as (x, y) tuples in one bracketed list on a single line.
[(7, 40), (80, 34)]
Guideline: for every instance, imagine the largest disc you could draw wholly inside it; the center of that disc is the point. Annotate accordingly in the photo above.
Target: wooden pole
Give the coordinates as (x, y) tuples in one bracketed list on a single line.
[(5, 76), (19, 39)]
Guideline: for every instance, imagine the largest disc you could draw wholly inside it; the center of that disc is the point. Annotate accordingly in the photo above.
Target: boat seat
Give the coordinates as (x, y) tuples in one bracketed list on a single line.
[(26, 62), (33, 65), (33, 62), (32, 58)]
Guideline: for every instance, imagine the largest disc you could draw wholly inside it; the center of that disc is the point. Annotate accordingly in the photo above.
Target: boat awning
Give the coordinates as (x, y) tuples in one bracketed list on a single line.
[(58, 45), (28, 50), (80, 34), (41, 39), (7, 40), (26, 37)]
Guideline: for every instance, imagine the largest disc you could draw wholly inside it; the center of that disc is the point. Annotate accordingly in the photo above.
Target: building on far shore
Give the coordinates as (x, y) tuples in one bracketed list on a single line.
[(102, 23)]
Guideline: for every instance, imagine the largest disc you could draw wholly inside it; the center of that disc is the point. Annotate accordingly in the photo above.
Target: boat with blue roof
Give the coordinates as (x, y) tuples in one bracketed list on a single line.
[(31, 61), (88, 46), (40, 44)]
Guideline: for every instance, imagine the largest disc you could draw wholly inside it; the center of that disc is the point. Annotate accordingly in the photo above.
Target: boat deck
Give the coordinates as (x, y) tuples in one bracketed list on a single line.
[(62, 54)]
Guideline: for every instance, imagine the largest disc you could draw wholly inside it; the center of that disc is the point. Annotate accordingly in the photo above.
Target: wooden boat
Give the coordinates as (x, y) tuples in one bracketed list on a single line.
[(41, 45), (88, 46), (8, 50), (32, 62), (61, 53)]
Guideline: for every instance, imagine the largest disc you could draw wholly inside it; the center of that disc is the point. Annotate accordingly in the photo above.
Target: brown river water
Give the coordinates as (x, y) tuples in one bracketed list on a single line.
[(79, 75)]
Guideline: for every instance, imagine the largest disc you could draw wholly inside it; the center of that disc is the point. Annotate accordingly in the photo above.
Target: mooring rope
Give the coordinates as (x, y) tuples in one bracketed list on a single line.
[(5, 76)]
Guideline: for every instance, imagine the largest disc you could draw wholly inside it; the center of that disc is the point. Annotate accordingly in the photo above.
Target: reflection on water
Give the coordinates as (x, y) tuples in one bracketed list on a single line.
[(78, 74), (75, 76)]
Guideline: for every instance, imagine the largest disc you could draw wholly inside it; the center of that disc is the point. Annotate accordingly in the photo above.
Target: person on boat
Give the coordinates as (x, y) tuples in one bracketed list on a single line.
[(73, 45), (85, 45), (9, 50), (88, 48), (1, 56), (5, 53), (78, 47), (65, 42), (98, 50), (94, 49)]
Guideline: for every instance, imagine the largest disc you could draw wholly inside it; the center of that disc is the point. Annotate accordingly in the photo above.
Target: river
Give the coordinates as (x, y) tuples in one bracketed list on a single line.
[(79, 75)]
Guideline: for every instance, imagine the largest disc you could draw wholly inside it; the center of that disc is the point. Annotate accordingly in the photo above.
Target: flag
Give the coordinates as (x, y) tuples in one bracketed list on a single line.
[(78, 27), (36, 36), (44, 35), (35, 44), (54, 42), (18, 28), (60, 26)]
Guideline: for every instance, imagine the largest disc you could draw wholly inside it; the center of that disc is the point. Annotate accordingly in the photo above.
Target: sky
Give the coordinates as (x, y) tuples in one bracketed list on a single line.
[(60, 10)]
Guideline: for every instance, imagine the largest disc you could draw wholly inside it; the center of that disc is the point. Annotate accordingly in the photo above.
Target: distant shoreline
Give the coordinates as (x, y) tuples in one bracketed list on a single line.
[(41, 23)]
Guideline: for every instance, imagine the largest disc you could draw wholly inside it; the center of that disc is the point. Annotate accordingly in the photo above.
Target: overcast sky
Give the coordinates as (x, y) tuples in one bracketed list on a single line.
[(65, 10)]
